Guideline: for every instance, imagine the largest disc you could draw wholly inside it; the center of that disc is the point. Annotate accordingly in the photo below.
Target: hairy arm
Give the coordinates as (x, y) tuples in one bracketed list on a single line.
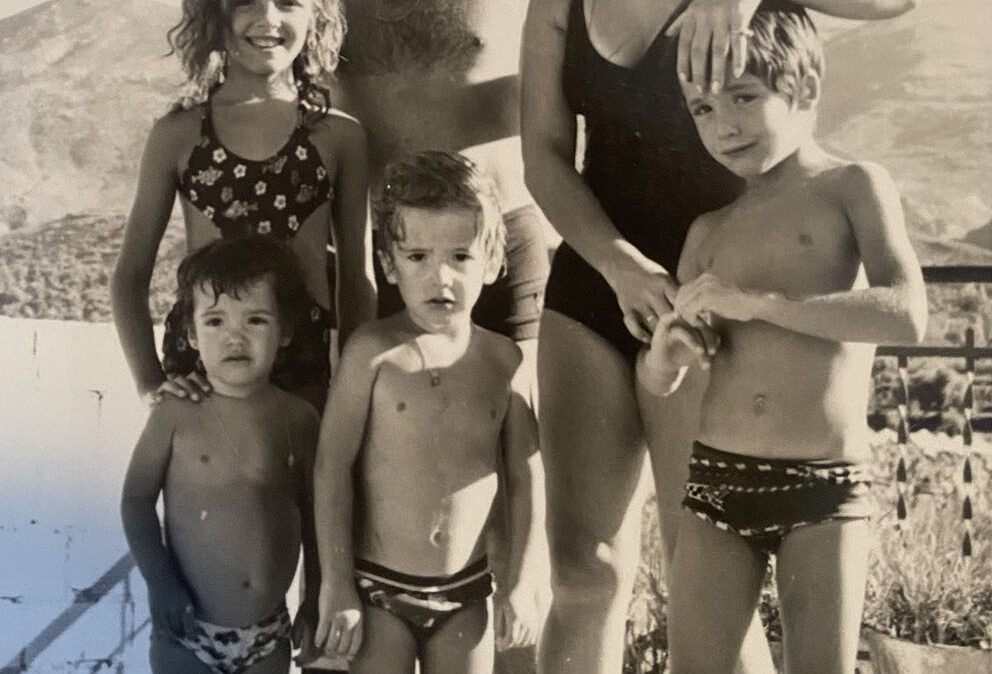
[(355, 291), (342, 430), (548, 129), (146, 224), (892, 309), (169, 599)]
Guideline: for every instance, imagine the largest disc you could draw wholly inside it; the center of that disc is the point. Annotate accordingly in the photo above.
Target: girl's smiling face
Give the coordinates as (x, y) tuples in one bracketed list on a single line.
[(266, 36)]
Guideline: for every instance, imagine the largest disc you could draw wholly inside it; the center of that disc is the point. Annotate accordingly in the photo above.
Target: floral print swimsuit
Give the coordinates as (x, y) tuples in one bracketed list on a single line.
[(270, 197)]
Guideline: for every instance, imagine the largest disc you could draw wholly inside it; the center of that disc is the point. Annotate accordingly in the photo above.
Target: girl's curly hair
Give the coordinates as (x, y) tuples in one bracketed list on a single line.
[(200, 40)]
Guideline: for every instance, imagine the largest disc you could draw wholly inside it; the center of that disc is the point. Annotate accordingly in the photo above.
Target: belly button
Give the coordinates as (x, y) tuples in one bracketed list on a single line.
[(246, 584), (438, 538), (204, 458)]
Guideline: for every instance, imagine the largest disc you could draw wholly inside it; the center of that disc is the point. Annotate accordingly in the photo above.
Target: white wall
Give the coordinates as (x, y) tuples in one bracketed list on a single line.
[(69, 417)]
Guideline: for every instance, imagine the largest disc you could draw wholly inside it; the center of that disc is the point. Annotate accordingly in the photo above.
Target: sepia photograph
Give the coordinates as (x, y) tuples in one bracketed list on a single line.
[(496, 336)]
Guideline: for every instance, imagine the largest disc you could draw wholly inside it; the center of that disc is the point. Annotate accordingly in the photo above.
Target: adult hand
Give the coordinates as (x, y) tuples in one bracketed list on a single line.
[(193, 386), (171, 607), (645, 292), (708, 31), (340, 629)]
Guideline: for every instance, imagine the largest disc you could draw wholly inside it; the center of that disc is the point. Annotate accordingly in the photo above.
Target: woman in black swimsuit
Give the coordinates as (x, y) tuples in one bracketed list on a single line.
[(623, 217)]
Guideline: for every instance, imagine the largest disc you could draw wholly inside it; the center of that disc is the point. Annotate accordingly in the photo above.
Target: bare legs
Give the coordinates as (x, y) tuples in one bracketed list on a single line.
[(717, 578), (671, 424), (592, 446), (592, 443)]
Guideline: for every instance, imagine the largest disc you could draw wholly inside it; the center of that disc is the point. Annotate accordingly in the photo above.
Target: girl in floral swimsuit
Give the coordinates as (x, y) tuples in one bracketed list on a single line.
[(256, 151)]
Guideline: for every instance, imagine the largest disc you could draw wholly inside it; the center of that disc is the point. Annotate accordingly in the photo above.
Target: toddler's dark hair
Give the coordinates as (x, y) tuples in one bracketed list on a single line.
[(784, 46), (436, 180), (229, 266)]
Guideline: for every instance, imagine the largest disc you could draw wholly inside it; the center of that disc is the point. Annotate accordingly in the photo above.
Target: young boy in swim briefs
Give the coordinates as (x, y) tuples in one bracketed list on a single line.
[(801, 276), (234, 471), (422, 413)]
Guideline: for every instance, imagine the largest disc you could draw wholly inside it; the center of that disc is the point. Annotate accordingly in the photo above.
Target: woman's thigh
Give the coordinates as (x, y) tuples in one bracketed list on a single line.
[(592, 446), (671, 424)]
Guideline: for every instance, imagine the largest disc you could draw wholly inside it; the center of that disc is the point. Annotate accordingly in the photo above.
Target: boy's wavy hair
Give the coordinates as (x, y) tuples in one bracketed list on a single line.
[(200, 39), (435, 180), (230, 266), (784, 46)]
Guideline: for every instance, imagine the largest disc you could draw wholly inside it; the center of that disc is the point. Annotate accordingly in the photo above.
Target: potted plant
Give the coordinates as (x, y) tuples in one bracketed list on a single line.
[(928, 609)]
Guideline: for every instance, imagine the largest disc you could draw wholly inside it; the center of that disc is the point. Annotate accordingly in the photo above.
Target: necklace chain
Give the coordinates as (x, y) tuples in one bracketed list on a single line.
[(290, 456)]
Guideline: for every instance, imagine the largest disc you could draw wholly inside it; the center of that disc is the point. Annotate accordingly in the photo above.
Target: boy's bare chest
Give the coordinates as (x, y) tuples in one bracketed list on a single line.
[(219, 449), (798, 245)]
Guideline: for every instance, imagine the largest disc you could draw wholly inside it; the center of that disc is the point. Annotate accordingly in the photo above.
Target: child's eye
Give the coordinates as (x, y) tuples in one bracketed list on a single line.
[(258, 320), (700, 109), (416, 257), (742, 99), (212, 322), (463, 257)]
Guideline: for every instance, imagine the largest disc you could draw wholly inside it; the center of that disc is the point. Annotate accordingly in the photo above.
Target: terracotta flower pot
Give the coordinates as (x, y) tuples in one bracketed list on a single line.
[(890, 655)]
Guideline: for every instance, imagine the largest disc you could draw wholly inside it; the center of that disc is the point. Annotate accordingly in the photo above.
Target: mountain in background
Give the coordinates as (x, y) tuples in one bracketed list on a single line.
[(82, 81), (915, 95)]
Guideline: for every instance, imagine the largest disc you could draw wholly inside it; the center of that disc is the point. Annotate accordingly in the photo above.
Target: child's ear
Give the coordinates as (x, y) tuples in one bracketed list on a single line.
[(809, 91), (388, 268), (285, 336), (493, 268)]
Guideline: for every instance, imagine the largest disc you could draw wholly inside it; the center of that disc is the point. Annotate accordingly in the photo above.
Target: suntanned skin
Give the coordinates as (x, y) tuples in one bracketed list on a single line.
[(438, 75), (254, 112), (423, 413), (232, 517), (235, 472), (801, 276)]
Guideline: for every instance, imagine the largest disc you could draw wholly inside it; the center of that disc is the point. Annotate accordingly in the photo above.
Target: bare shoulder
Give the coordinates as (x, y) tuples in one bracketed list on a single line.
[(179, 128), (300, 413), (370, 343), (170, 413), (338, 132), (499, 348), (695, 242)]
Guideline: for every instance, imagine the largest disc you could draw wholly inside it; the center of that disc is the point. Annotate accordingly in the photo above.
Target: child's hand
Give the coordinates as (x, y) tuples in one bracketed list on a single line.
[(517, 619), (193, 386), (340, 629), (675, 346), (303, 634), (171, 608), (707, 294)]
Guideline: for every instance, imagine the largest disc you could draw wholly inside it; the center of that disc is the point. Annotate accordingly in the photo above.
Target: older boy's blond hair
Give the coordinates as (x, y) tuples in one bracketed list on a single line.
[(783, 47)]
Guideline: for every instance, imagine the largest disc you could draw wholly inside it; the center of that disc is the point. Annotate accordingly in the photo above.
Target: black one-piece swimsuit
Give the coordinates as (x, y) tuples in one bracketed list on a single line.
[(644, 163)]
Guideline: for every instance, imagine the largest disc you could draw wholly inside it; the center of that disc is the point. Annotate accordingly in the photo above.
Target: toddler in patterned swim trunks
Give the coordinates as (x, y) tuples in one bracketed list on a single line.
[(234, 471), (800, 277)]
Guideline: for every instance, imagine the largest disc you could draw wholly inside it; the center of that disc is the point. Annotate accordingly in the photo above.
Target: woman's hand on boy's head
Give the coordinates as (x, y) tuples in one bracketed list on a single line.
[(193, 386), (708, 31)]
